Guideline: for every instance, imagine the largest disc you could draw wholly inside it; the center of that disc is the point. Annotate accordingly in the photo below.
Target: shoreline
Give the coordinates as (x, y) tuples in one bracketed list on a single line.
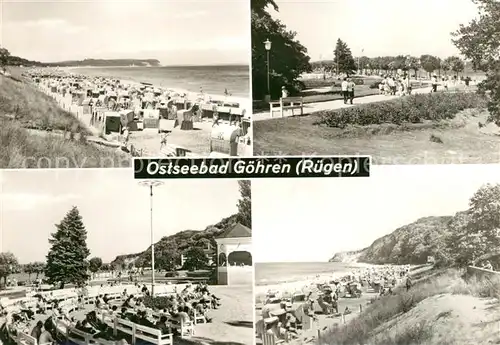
[(244, 102), (264, 286)]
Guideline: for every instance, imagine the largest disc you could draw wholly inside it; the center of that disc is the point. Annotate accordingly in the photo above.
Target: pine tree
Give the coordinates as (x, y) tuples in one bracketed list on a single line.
[(245, 204), (343, 60), (66, 261)]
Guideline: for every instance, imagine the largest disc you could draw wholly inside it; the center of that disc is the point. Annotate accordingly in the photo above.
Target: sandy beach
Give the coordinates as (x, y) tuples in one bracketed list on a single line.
[(321, 322)]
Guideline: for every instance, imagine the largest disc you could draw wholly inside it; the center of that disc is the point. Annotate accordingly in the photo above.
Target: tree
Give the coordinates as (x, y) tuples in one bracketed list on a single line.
[(454, 63), (66, 260), (168, 260), (245, 204), (34, 268), (288, 58), (364, 63), (429, 63), (479, 41), (477, 232), (8, 263), (195, 259), (343, 58), (413, 63), (95, 264), (446, 65), (4, 58)]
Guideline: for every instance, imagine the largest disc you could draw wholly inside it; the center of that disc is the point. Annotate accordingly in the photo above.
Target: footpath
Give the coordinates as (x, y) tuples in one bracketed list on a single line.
[(310, 108)]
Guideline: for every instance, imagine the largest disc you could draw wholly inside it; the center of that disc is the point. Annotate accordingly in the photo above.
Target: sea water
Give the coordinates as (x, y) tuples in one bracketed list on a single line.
[(214, 80), (276, 273)]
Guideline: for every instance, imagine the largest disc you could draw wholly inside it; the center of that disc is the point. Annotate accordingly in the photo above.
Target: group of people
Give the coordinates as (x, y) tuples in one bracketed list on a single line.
[(176, 309), (449, 81), (395, 85), (286, 319), (347, 87)]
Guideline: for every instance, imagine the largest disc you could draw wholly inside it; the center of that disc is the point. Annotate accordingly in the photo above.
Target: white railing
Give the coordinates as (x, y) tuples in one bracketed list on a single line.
[(67, 301)]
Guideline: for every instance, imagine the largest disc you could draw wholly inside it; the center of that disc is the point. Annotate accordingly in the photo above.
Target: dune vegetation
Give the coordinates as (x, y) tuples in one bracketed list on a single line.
[(36, 133), (442, 307)]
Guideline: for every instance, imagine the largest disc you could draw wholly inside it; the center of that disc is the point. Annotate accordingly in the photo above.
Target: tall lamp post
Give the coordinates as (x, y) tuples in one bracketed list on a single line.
[(150, 184), (359, 63), (267, 45)]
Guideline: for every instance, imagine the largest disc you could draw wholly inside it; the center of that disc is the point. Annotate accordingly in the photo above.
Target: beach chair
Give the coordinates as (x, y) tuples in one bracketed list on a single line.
[(185, 118), (270, 339), (305, 321)]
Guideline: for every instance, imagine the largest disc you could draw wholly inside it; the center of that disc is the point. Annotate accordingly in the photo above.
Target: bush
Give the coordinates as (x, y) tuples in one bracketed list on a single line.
[(374, 85), (358, 81), (157, 303), (410, 109), (171, 274), (318, 83), (198, 274)]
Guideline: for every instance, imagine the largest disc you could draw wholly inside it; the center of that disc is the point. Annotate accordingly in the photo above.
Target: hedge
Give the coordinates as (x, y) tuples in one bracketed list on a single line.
[(157, 303), (409, 109)]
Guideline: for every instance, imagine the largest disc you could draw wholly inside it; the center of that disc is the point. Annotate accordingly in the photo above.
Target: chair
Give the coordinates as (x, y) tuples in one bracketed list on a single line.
[(187, 329), (185, 118)]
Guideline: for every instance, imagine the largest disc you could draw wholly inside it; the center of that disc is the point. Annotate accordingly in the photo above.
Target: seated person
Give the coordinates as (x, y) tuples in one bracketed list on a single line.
[(37, 330), (140, 305), (85, 326), (144, 320), (45, 337), (163, 326)]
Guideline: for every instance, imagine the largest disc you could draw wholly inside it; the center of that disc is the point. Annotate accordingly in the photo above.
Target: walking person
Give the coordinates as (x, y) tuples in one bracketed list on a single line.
[(381, 87), (350, 89), (434, 83), (407, 84), (126, 136), (467, 83), (408, 283), (392, 86), (344, 88)]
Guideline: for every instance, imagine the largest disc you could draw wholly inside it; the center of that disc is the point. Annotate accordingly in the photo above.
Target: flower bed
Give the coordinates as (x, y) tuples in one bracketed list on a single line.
[(410, 109)]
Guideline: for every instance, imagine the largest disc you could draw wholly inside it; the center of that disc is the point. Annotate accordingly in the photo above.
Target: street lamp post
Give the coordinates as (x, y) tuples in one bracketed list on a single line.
[(151, 184), (337, 58), (267, 45), (359, 61)]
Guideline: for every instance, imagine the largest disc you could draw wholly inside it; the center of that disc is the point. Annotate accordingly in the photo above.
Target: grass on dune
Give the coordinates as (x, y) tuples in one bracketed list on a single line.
[(22, 149), (22, 107), (34, 108), (360, 330)]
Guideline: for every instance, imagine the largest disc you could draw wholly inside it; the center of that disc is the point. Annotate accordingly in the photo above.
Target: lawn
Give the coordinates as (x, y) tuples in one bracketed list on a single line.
[(299, 135)]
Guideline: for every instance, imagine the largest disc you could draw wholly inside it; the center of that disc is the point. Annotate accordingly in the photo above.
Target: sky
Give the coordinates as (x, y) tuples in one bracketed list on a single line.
[(380, 28), (176, 32), (115, 209), (309, 220)]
